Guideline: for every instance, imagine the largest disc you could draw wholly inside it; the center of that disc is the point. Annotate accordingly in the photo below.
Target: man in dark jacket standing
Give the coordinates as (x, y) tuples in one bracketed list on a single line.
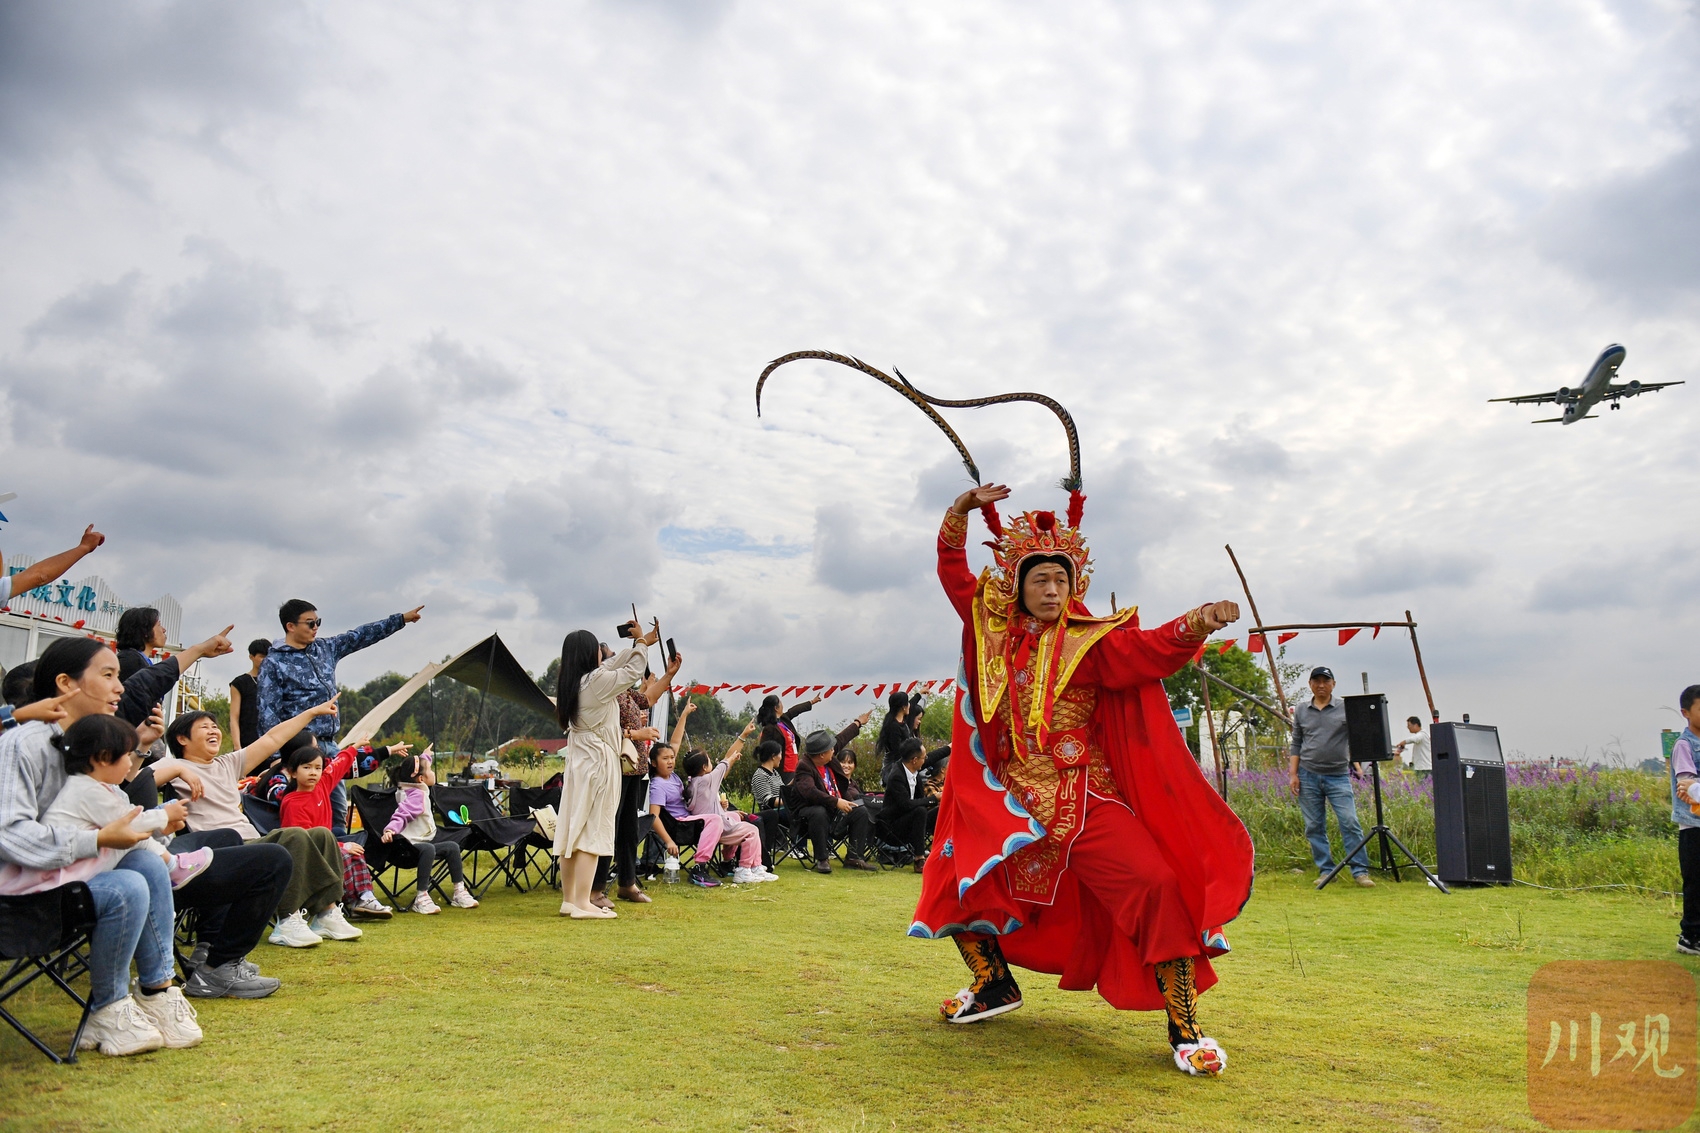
[(818, 799), (300, 671)]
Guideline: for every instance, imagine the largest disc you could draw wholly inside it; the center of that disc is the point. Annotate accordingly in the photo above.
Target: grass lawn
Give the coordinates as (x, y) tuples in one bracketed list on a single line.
[(800, 1005)]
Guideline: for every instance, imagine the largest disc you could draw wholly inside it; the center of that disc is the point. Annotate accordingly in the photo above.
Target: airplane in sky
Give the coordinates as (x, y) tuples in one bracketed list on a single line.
[(1595, 388)]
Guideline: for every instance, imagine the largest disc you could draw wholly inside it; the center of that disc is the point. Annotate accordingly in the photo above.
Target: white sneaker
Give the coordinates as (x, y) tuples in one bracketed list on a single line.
[(422, 903), (332, 925), (742, 876), (766, 875), (369, 903), (292, 932), (462, 898), (121, 1028), (172, 1015)]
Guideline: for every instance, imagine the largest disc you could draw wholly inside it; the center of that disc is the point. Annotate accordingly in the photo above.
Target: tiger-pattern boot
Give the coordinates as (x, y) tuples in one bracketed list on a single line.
[(1195, 1052), (993, 990)]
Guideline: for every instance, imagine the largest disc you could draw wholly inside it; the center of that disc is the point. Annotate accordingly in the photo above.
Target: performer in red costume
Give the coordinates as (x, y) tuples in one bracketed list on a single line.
[(1079, 836), (1076, 834)]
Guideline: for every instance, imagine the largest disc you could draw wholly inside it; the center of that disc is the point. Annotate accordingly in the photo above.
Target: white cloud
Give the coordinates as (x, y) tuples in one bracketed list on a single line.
[(390, 303)]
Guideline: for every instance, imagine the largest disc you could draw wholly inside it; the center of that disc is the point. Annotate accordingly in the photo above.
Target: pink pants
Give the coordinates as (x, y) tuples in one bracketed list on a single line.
[(716, 833)]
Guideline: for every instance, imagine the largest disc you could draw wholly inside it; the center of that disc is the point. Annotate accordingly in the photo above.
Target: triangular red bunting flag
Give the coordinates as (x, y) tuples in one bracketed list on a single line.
[(1254, 643), (699, 689), (1347, 635), (1226, 645), (770, 688), (816, 688), (1199, 660), (1282, 639), (879, 690), (860, 689), (1376, 634), (912, 685)]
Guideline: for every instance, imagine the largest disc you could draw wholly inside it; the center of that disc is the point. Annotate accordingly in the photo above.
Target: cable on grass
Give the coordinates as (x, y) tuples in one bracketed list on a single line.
[(1580, 888)]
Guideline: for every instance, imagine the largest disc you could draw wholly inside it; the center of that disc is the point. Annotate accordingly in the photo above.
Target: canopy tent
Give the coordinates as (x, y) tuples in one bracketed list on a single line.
[(486, 666)]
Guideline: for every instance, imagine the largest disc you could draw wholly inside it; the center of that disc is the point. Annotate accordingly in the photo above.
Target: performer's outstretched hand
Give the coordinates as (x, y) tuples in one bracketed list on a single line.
[(979, 497), (1219, 614)]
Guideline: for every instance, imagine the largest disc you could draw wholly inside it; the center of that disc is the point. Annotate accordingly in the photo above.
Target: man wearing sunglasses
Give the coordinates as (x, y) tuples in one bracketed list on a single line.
[(300, 671)]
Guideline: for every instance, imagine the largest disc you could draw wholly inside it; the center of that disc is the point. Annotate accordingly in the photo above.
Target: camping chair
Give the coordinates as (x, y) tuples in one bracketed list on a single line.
[(394, 863), (488, 833), (262, 814), (789, 840), (47, 934), (538, 864)]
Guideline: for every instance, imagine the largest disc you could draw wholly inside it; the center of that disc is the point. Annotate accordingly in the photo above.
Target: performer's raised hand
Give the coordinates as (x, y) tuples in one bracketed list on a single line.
[(979, 497), (1219, 614)]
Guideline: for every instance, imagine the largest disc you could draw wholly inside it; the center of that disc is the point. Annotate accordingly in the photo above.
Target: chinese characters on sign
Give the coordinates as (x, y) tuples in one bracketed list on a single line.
[(1612, 1045)]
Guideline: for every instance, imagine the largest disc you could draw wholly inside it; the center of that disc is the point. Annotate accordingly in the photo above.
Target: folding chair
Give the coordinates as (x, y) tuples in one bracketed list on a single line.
[(488, 833), (394, 864), (262, 814), (538, 865), (46, 934)]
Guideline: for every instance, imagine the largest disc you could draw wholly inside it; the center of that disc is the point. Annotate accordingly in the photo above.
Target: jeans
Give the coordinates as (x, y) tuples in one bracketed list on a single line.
[(1316, 793), (133, 904)]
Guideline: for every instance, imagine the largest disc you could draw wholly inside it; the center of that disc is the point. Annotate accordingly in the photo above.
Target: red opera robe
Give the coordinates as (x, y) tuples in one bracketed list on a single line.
[(983, 829)]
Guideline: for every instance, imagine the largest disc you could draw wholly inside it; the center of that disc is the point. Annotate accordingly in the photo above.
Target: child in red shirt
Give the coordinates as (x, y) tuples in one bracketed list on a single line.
[(306, 802)]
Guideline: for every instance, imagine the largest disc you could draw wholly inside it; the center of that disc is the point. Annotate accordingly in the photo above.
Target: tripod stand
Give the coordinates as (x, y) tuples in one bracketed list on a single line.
[(1380, 830)]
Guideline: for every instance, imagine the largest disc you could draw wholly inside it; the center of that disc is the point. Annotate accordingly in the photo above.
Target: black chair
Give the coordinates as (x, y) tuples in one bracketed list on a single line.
[(792, 841), (394, 864), (488, 832), (538, 865), (262, 814), (46, 934)]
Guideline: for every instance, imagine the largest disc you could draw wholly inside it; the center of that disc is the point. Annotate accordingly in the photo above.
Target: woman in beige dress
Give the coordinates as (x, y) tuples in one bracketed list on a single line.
[(587, 705)]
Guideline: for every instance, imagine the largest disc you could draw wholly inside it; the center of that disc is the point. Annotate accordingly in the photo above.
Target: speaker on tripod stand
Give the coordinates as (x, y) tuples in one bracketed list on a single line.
[(1369, 739)]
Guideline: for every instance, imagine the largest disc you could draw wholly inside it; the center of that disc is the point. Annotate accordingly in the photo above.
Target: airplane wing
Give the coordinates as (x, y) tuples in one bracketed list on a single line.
[(1630, 389), (1536, 399)]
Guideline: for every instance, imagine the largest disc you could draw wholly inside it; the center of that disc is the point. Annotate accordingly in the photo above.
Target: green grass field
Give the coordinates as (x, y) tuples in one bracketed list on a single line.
[(800, 1005)]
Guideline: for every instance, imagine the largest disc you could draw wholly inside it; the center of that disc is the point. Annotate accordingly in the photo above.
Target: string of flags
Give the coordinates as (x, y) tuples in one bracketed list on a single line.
[(855, 688), (1258, 642)]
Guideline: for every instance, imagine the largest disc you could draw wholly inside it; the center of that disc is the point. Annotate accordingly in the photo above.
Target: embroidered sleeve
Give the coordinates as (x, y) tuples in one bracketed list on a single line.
[(953, 532)]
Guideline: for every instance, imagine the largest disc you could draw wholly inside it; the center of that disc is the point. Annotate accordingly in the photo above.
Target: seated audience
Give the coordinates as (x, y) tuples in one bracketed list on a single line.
[(97, 758), (233, 896), (816, 795), (768, 790), (412, 779), (669, 815), (306, 805), (904, 815), (702, 789), (315, 880)]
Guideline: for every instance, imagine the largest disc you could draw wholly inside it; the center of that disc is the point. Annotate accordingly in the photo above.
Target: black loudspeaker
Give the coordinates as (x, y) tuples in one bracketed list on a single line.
[(1369, 737), (1472, 818)]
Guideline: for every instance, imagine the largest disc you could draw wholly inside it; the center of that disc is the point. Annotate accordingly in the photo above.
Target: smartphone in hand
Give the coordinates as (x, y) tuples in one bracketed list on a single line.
[(623, 630)]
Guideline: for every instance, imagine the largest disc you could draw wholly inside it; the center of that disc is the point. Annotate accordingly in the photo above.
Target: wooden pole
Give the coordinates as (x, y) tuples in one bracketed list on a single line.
[(1434, 713), (1215, 749), (1250, 698), (1268, 646)]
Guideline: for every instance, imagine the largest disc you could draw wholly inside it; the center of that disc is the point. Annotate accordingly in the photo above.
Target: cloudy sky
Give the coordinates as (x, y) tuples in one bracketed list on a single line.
[(387, 304)]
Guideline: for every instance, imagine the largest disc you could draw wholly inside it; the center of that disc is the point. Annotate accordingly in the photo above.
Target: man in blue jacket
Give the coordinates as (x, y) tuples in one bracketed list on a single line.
[(300, 671)]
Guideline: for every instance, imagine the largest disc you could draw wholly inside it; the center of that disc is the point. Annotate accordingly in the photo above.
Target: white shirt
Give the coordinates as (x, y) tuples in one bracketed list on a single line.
[(1417, 752), (913, 775)]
